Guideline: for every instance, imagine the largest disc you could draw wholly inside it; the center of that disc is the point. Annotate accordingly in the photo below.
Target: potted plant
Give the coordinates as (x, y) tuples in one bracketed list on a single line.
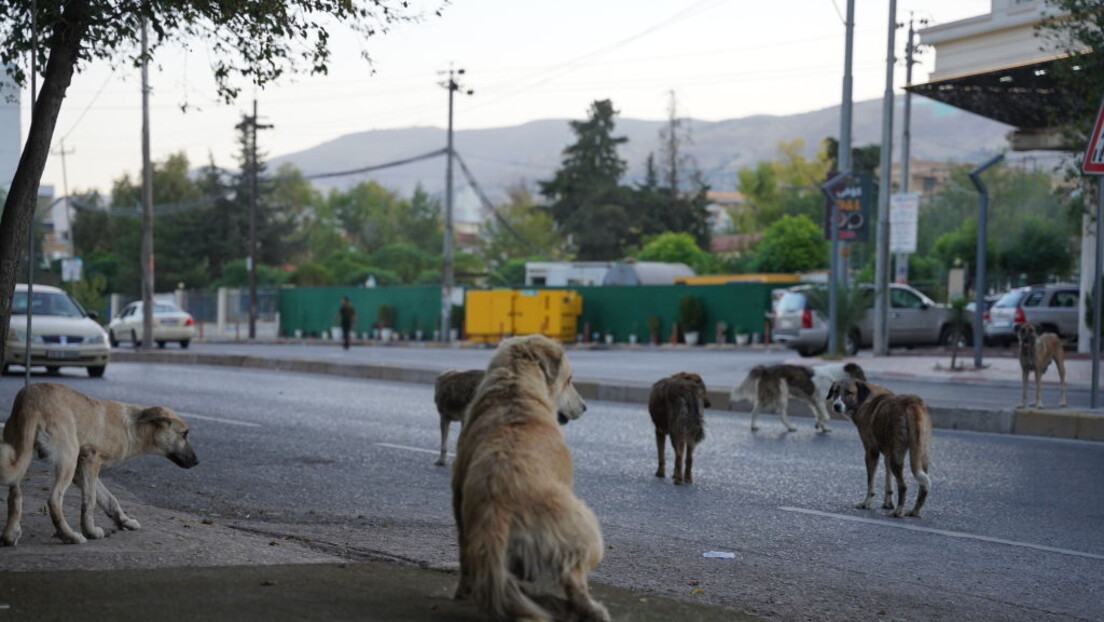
[(385, 316), (653, 328), (632, 335), (691, 314), (742, 337)]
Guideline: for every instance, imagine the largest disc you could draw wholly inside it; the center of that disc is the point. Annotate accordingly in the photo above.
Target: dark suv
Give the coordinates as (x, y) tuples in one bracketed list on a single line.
[(1051, 307)]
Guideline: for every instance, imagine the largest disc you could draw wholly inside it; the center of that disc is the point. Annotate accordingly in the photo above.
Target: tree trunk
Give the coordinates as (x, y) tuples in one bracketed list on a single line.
[(65, 45)]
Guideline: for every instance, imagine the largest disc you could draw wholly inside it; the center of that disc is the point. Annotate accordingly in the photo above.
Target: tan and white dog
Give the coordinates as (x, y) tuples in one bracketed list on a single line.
[(80, 434), (1036, 353), (452, 393), (770, 387), (517, 516), (892, 425)]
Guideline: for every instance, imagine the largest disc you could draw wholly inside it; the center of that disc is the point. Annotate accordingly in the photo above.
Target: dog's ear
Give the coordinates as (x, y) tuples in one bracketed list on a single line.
[(862, 391), (833, 391), (154, 415), (548, 355)]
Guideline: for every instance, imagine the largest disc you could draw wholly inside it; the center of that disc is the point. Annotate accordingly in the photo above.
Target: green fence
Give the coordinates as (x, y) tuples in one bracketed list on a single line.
[(622, 311), (615, 310), (313, 310)]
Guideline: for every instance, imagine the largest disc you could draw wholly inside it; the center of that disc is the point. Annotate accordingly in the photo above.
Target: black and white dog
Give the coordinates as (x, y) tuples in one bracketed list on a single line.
[(770, 387)]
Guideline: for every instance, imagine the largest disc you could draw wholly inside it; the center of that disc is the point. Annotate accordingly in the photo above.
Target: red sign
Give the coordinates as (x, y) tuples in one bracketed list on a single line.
[(1094, 153)]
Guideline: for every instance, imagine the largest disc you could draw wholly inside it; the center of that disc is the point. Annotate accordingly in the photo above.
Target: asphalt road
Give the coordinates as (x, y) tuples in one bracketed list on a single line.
[(1011, 531), (719, 368)]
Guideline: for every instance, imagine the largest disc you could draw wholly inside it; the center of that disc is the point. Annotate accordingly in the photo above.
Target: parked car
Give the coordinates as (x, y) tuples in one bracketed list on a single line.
[(1052, 307), (914, 320), (63, 334), (170, 323)]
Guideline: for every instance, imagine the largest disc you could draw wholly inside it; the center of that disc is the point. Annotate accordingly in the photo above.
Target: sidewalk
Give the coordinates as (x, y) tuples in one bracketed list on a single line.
[(181, 567)]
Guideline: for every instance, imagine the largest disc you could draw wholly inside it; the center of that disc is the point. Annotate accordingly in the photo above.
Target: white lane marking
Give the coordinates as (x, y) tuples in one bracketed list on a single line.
[(435, 452), (944, 532), (244, 424)]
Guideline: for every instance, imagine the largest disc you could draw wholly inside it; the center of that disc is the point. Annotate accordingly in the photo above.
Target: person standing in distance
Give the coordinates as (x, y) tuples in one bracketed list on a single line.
[(347, 314)]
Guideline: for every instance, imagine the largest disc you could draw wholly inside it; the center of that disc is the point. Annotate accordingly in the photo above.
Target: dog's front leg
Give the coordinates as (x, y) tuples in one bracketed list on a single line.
[(822, 416), (661, 453), (1023, 388), (110, 505), (88, 473), (444, 440), (871, 470), (1038, 387), (1060, 363)]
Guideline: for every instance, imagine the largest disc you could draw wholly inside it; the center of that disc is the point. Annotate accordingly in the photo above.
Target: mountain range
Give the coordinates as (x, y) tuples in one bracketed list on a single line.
[(523, 154)]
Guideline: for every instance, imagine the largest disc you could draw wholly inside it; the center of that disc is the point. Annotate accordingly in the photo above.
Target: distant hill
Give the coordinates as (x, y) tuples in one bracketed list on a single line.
[(506, 156)]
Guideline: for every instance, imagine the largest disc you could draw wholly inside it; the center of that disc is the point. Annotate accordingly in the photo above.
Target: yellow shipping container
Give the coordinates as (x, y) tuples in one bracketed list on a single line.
[(491, 315)]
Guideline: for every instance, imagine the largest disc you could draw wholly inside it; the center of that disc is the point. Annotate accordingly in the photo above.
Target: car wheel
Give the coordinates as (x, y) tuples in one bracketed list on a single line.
[(52, 370), (5, 369), (134, 339), (851, 342), (111, 339), (97, 371), (161, 345), (185, 343)]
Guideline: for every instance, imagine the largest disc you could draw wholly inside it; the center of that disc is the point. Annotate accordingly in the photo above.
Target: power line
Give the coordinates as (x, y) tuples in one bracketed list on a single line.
[(487, 205)]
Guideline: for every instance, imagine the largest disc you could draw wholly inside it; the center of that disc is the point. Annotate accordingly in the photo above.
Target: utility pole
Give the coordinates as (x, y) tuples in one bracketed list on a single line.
[(838, 270), (906, 136), (250, 125), (65, 189), (147, 202), (446, 274), (33, 62), (881, 260)]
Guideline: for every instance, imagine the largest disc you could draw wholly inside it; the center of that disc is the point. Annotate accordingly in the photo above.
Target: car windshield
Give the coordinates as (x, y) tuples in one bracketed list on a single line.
[(1011, 299), (46, 303)]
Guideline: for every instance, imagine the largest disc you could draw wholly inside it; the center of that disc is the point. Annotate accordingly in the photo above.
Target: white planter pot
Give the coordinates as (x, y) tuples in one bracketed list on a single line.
[(609, 339), (743, 339), (632, 338), (691, 338), (386, 334)]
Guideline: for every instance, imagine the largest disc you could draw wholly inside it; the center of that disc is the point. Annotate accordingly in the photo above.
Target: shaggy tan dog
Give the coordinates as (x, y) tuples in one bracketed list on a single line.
[(79, 434), (518, 519), (892, 425), (452, 393), (677, 405)]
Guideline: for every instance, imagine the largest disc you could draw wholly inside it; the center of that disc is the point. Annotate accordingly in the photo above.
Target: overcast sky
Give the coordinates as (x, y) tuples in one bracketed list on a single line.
[(525, 60)]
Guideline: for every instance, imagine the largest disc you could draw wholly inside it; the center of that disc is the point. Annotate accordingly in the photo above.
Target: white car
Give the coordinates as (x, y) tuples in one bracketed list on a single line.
[(170, 323), (63, 334)]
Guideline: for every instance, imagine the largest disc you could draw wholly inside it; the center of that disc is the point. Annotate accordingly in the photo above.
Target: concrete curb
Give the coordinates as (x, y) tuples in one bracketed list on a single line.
[(1068, 424)]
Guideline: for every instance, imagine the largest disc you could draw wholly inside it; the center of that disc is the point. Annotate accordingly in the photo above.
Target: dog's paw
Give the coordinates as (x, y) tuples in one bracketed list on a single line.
[(791, 428), (130, 524), (863, 506), (440, 462), (11, 539), (678, 482), (887, 505), (96, 533), (754, 428), (660, 473), (898, 514), (914, 513), (75, 538)]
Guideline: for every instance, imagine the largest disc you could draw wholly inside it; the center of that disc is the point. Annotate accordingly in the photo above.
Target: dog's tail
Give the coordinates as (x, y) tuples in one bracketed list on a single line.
[(920, 432), (15, 457), (494, 586)]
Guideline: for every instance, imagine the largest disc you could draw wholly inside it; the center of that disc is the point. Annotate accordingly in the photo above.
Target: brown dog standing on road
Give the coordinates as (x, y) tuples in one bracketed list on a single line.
[(79, 434), (519, 522), (1036, 353), (892, 425), (677, 405), (452, 393)]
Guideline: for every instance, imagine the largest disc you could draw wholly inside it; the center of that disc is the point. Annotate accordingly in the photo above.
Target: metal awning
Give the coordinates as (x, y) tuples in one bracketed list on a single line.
[(1023, 96)]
